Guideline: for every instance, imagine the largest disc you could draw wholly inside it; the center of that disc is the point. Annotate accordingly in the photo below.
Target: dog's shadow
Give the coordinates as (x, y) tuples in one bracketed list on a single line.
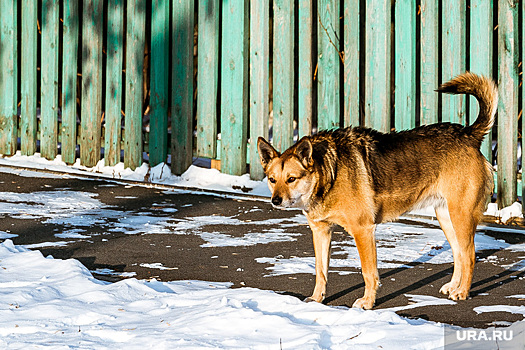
[(408, 289)]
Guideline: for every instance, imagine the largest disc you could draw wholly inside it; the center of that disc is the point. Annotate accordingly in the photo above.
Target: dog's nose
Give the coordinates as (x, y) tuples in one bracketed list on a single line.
[(277, 200)]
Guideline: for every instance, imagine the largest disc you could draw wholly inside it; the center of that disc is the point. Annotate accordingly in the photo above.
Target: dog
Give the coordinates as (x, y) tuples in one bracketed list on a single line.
[(357, 177)]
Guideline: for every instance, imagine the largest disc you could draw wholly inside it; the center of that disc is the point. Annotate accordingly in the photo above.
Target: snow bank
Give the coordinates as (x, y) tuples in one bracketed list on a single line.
[(194, 177), (57, 303)]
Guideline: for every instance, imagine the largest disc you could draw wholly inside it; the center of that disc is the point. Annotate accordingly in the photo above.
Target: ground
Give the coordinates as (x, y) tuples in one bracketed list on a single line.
[(119, 231)]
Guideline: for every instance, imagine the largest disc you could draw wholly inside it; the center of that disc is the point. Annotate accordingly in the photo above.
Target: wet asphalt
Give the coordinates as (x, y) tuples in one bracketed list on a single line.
[(186, 259)]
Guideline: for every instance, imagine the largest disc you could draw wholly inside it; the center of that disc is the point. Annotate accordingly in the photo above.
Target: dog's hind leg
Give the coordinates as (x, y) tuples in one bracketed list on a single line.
[(322, 235), (443, 217), (464, 220), (366, 246)]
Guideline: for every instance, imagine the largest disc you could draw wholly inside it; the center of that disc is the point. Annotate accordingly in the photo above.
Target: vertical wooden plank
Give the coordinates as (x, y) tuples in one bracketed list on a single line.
[(481, 56), (234, 86), (91, 104), (28, 121), (69, 82), (352, 30), (508, 58), (135, 40), (453, 55), (8, 77), (259, 80), (158, 134), (429, 61), (377, 65), (49, 77), (305, 71), (182, 87), (207, 78), (283, 73), (405, 65), (328, 64), (115, 58)]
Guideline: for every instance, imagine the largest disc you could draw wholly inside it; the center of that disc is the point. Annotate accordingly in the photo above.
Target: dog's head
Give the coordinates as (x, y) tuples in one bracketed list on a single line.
[(291, 178)]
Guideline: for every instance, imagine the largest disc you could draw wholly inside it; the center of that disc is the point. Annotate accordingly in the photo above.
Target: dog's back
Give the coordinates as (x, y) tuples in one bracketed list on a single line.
[(413, 168)]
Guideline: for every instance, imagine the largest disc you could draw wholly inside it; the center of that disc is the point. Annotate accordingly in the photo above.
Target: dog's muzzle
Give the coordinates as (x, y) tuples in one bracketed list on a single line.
[(277, 201)]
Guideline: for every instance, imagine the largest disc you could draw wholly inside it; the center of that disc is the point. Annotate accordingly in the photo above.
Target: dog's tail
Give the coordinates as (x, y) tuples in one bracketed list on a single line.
[(485, 91)]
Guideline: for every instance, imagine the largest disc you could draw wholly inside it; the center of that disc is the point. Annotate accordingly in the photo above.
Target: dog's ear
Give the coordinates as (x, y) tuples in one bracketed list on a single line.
[(303, 151), (266, 152)]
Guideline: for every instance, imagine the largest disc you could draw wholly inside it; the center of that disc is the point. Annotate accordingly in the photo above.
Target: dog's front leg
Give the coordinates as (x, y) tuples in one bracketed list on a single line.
[(366, 246), (322, 235)]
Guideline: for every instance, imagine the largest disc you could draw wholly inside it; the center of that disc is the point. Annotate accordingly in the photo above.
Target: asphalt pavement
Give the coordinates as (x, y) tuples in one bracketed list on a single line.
[(183, 256)]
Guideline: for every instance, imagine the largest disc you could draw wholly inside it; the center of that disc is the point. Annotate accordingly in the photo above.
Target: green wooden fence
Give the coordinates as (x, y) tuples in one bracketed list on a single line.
[(178, 79)]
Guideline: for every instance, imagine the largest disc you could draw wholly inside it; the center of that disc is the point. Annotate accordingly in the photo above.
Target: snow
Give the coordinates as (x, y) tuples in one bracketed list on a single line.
[(58, 304), (194, 177)]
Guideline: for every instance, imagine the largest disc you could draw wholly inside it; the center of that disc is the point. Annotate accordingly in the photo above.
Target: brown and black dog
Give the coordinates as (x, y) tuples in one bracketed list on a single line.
[(358, 177)]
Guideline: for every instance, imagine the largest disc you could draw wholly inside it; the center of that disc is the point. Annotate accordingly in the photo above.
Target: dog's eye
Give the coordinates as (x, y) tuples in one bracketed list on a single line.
[(290, 180), (272, 180)]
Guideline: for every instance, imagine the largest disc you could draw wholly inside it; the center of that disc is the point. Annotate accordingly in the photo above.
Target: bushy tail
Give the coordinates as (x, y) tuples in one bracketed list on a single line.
[(485, 91)]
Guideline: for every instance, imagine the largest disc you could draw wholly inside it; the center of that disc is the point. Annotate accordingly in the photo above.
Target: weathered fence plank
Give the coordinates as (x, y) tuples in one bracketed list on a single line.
[(429, 61), (234, 87), (69, 81), (49, 80), (135, 41), (283, 73), (91, 104), (182, 86), (160, 45), (305, 71), (481, 56), (28, 120), (328, 107), (405, 64), (259, 80), (8, 77), (207, 77), (114, 62), (453, 57), (508, 52), (377, 65), (352, 30)]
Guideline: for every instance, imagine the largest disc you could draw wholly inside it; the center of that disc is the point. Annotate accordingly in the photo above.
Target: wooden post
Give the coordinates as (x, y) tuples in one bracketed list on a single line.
[(453, 55), (481, 35), (405, 65), (508, 58), (28, 120), (305, 71), (283, 73), (91, 106), (328, 64), (115, 59), (135, 39), (352, 30), (377, 65), (69, 82), (234, 86), (49, 80), (182, 87), (158, 133), (207, 79), (429, 61), (259, 81)]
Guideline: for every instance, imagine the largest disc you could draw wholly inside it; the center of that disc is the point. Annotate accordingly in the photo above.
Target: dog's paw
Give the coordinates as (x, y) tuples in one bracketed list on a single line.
[(448, 288), (458, 295), (313, 300), (363, 303)]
